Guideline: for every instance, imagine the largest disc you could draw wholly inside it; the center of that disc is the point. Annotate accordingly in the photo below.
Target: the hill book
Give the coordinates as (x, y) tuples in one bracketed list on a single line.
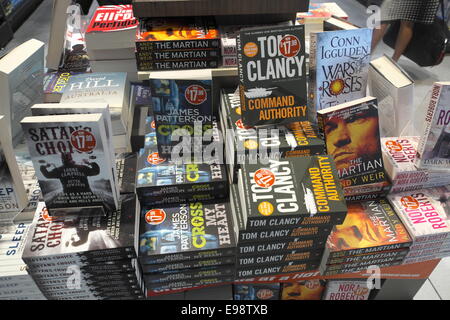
[(21, 84), (370, 226), (434, 145), (338, 66), (186, 232), (352, 138), (272, 75), (110, 87), (71, 156), (293, 191), (13, 196)]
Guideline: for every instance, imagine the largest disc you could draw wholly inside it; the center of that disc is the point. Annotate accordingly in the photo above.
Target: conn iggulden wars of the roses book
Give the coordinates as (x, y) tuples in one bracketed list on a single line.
[(272, 75), (72, 162)]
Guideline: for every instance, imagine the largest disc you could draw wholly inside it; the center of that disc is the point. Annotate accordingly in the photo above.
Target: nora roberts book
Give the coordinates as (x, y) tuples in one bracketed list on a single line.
[(434, 145), (352, 137), (294, 191), (338, 66), (71, 157), (272, 75)]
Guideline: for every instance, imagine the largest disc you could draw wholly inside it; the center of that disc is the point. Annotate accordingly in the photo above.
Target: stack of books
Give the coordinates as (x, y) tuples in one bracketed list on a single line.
[(86, 258), (177, 43), (372, 234), (425, 214), (288, 208), (15, 282), (110, 40), (187, 245)]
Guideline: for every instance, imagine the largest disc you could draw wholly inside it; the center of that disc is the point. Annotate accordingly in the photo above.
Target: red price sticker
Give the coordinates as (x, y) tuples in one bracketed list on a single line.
[(290, 46), (83, 141), (265, 294), (155, 159), (195, 94), (264, 178), (153, 124), (46, 216), (155, 216), (240, 125), (393, 146), (410, 203)]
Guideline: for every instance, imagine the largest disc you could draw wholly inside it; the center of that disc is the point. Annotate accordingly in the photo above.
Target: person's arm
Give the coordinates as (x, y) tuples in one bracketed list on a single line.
[(92, 169), (53, 174)]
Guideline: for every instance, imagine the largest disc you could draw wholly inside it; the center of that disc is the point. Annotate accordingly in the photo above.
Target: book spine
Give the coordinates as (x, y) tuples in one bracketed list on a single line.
[(186, 284), (276, 246), (312, 82), (341, 266), (184, 256), (353, 252), (399, 254), (177, 64), (152, 56), (195, 275), (165, 46), (359, 269), (322, 220), (321, 126), (284, 233), (274, 269), (159, 268), (434, 99), (241, 78), (279, 257)]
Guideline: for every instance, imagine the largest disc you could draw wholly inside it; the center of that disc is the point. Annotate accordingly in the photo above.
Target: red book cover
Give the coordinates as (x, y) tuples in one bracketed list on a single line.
[(113, 18)]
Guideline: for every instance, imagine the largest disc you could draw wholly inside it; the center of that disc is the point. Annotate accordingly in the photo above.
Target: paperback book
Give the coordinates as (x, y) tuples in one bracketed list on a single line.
[(272, 75)]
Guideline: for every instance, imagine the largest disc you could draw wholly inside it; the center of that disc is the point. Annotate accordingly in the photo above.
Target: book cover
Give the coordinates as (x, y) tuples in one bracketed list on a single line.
[(13, 196), (112, 18), (370, 227), (300, 243), (21, 84), (157, 34), (284, 233), (161, 65), (433, 151), (299, 191), (54, 85), (303, 290), (279, 257), (272, 75), (72, 161), (425, 213), (352, 138), (274, 269), (111, 88), (339, 65), (64, 239), (186, 232), (346, 290), (397, 254)]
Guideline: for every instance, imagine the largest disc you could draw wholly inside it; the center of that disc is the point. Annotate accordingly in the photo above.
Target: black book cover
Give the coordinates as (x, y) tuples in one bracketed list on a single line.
[(186, 284), (275, 269), (279, 257), (192, 274), (185, 232), (272, 75), (280, 245), (161, 65), (126, 171), (284, 233), (293, 191), (184, 265)]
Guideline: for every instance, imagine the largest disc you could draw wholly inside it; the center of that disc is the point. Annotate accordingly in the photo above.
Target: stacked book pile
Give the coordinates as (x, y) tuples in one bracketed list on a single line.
[(110, 40), (15, 282), (425, 214), (372, 234), (399, 155), (289, 207), (177, 44), (85, 258)]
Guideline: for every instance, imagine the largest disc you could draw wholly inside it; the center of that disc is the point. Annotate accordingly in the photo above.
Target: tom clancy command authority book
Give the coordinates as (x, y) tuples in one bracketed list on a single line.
[(433, 151), (339, 65), (13, 196), (272, 75), (352, 138), (73, 164), (294, 191), (21, 84), (111, 88)]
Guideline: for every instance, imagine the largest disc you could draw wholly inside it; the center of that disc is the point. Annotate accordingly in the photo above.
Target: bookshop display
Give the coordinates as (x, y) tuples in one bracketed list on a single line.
[(286, 184)]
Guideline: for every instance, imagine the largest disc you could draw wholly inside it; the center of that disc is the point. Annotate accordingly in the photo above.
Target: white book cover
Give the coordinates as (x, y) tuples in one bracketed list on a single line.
[(425, 213), (434, 146), (346, 290), (13, 197), (111, 88), (72, 164), (21, 83), (339, 64)]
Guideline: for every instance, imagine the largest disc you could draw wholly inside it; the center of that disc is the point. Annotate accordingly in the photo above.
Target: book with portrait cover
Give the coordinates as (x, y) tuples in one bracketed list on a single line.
[(13, 196), (112, 88), (352, 137), (339, 66), (293, 191), (370, 227), (186, 232), (272, 75), (256, 291), (425, 213), (184, 33), (73, 164), (433, 151), (303, 290)]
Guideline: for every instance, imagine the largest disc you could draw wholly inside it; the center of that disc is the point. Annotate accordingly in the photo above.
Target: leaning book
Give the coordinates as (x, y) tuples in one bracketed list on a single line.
[(13, 197), (72, 162), (434, 145)]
